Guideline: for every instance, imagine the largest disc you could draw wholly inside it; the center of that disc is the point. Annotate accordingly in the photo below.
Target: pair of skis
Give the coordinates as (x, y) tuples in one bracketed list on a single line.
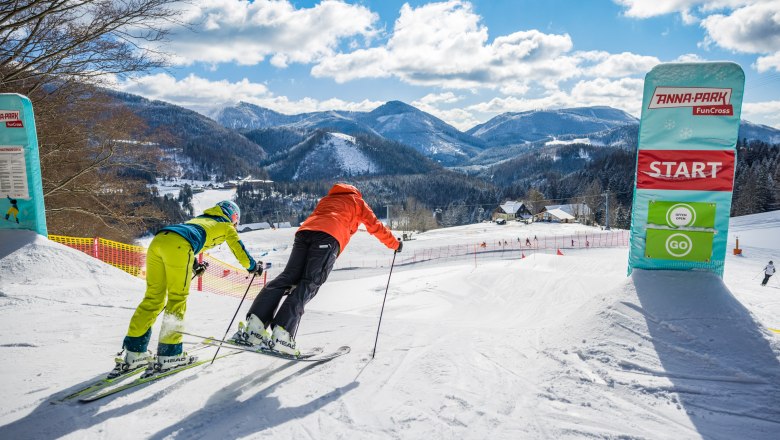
[(314, 355), (103, 388)]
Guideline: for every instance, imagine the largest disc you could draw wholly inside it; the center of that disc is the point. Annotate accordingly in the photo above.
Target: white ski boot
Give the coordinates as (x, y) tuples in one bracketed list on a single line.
[(132, 360), (283, 342), (253, 333), (165, 363)]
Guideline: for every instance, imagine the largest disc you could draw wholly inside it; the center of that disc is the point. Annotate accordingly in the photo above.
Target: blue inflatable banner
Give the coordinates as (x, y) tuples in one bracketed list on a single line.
[(685, 166), (21, 190)]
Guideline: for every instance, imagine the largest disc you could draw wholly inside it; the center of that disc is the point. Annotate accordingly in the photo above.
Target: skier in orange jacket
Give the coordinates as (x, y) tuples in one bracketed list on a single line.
[(318, 242)]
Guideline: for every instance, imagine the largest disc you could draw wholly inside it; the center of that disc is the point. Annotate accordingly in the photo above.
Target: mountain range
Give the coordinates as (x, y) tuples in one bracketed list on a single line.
[(394, 120), (394, 138)]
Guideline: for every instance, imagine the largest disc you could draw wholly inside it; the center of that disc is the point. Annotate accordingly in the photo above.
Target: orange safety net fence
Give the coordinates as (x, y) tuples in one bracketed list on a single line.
[(220, 278)]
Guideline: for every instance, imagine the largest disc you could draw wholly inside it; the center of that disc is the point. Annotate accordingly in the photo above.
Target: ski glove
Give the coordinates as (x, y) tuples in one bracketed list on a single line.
[(400, 245), (258, 270), (199, 268)]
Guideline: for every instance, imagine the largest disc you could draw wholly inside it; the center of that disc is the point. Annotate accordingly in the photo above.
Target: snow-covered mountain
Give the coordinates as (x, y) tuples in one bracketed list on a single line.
[(246, 116), (393, 120), (749, 130), (329, 155), (426, 133), (542, 125)]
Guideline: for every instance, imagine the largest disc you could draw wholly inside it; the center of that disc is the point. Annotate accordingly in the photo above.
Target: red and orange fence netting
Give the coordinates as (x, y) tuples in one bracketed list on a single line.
[(514, 247), (220, 278)]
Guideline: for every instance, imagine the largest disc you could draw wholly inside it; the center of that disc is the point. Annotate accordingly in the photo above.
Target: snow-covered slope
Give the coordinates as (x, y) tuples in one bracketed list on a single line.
[(338, 153), (542, 347)]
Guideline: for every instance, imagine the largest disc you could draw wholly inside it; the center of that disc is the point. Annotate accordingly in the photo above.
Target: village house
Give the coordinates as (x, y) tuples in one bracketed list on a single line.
[(512, 210), (573, 212)]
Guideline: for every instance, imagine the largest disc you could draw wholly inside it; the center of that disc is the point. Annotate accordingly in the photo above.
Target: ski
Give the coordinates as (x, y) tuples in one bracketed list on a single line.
[(144, 380), (99, 385), (314, 355), (108, 381)]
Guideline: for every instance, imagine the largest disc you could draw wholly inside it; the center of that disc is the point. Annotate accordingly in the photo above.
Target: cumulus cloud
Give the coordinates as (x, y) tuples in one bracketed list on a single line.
[(193, 91), (244, 32), (446, 45), (654, 8), (205, 96), (618, 65), (751, 29), (625, 94), (767, 112), (768, 62)]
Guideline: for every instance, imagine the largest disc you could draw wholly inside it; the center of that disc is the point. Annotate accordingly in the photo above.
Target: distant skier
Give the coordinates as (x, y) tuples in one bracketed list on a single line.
[(13, 210), (318, 242), (769, 270), (169, 259)]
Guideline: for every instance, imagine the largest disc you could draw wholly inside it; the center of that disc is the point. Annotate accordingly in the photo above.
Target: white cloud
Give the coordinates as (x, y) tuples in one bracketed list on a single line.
[(193, 91), (768, 62), (751, 29), (204, 96), (618, 65), (244, 32), (439, 98), (654, 8), (625, 94), (767, 113), (445, 45)]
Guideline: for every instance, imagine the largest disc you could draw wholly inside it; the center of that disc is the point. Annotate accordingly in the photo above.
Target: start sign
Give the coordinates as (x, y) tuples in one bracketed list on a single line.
[(710, 170), (685, 166)]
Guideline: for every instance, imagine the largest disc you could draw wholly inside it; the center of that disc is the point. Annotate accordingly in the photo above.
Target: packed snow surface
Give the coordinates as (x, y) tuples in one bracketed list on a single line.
[(544, 347)]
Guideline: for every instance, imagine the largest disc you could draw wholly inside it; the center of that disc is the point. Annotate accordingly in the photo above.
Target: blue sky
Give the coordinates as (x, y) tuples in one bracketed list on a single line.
[(463, 61)]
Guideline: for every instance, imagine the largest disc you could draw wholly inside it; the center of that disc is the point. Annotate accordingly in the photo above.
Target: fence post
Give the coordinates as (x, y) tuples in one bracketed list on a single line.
[(95, 251)]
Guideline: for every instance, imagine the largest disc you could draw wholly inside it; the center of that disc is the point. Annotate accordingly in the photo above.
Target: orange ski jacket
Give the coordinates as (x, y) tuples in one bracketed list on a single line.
[(339, 214)]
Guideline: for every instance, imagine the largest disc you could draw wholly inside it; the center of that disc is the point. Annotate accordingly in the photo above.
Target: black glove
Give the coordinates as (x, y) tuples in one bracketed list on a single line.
[(199, 268), (258, 270), (400, 245)]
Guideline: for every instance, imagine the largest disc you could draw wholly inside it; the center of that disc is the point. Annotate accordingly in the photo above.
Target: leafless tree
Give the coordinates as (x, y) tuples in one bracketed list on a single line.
[(94, 160), (58, 42)]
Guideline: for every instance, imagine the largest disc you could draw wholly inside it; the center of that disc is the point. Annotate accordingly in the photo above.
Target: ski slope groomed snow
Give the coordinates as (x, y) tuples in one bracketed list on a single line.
[(545, 347)]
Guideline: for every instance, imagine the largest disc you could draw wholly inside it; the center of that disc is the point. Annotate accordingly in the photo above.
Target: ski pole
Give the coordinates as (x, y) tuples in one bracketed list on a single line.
[(234, 316), (383, 305)]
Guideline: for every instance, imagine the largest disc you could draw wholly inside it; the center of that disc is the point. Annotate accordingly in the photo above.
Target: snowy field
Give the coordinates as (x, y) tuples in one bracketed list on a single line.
[(548, 347)]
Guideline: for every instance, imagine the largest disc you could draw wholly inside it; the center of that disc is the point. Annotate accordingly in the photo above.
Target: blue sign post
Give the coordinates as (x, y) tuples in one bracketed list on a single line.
[(21, 190), (685, 166)]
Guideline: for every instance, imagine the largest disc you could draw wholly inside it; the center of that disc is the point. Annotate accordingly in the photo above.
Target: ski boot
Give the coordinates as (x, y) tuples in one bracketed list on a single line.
[(165, 363), (283, 342), (253, 334), (130, 361)]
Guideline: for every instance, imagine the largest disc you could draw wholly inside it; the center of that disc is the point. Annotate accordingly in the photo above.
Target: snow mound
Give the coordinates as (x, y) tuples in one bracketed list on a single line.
[(677, 348), (28, 258)]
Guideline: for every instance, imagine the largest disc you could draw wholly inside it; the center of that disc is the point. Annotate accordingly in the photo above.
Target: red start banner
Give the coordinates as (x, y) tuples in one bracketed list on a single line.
[(692, 170)]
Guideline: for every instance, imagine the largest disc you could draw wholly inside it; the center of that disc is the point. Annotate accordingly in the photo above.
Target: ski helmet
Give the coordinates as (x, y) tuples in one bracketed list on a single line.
[(231, 210)]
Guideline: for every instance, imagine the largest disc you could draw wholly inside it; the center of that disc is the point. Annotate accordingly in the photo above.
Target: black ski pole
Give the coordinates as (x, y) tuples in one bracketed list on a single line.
[(234, 317), (383, 305)]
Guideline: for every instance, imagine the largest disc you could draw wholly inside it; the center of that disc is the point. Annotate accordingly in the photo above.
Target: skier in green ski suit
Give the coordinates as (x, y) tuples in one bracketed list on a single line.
[(169, 260)]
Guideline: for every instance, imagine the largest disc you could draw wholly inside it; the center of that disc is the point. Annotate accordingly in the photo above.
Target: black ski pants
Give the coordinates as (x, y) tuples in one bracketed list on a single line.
[(766, 278), (311, 260)]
